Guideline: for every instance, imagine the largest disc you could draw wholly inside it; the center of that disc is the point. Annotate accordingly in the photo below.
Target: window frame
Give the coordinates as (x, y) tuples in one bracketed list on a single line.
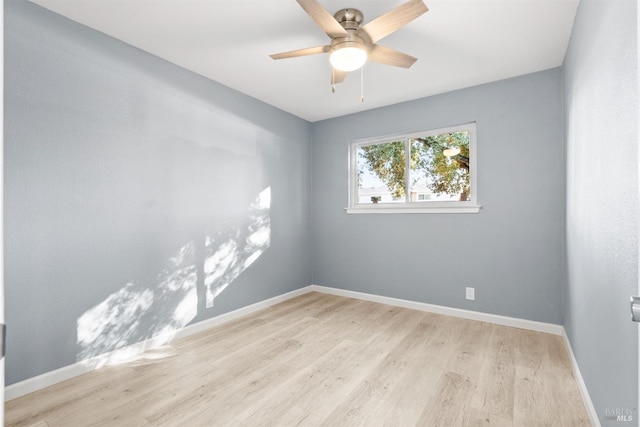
[(454, 206)]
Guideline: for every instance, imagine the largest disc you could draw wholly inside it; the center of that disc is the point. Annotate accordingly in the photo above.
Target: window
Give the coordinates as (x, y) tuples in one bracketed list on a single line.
[(429, 172)]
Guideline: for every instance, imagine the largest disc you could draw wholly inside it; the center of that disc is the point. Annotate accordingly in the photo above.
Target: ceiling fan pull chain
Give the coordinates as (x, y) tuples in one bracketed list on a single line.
[(333, 80), (362, 85)]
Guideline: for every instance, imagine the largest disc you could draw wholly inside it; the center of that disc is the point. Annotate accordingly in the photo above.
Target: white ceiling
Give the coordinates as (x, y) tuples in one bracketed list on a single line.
[(458, 43)]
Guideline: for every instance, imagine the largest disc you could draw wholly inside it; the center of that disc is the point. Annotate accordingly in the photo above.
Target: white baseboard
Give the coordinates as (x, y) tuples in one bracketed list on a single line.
[(548, 328), (591, 410), (232, 315), (50, 378), (53, 377)]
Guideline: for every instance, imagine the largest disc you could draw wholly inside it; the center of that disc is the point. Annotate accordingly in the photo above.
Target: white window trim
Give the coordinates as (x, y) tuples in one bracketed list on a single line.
[(469, 206)]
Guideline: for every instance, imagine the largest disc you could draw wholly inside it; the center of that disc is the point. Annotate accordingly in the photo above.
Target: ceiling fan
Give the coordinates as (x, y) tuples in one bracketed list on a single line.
[(352, 44)]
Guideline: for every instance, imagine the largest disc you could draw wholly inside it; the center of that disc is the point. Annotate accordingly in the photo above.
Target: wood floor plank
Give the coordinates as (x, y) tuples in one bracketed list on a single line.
[(362, 404), (474, 417), (236, 368), (326, 360), (494, 394), (446, 408), (41, 423), (219, 401), (556, 351), (530, 348), (39, 405), (418, 386), (532, 402), (471, 351), (322, 386), (301, 386), (296, 416)]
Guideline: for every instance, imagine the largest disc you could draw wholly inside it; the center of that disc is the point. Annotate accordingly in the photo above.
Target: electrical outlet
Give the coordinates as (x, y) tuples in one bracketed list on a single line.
[(471, 294)]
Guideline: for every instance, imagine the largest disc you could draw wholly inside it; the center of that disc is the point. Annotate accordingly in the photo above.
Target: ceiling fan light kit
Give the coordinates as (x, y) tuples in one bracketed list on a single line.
[(348, 53), (348, 56), (353, 44)]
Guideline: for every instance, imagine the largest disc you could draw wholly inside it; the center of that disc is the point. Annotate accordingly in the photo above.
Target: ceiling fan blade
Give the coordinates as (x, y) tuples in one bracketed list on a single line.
[(393, 20), (338, 76), (323, 18), (301, 52), (386, 55)]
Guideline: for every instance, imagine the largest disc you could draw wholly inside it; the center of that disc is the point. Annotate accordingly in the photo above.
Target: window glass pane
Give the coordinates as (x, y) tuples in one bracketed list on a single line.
[(440, 168), (381, 177)]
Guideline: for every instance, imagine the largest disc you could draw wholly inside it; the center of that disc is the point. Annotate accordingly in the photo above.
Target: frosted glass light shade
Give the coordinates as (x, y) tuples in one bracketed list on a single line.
[(348, 58)]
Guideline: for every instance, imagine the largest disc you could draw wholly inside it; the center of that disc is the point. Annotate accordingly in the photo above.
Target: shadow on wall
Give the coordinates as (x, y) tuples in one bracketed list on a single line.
[(155, 312)]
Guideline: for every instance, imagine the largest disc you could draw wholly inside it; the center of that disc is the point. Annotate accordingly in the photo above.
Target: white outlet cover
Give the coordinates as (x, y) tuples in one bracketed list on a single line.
[(471, 294)]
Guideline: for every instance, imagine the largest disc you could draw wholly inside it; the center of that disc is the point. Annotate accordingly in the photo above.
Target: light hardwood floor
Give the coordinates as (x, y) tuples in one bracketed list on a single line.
[(325, 360)]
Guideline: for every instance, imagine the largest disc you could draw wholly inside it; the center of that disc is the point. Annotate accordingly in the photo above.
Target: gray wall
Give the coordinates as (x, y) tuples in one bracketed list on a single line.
[(511, 252), (601, 103), (119, 168)]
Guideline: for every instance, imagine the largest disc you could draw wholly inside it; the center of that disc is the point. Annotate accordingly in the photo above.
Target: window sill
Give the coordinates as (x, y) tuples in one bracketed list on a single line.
[(413, 209)]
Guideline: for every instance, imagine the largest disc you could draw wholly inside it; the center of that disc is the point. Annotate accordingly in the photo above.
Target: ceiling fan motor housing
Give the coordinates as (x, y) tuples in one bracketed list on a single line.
[(350, 19)]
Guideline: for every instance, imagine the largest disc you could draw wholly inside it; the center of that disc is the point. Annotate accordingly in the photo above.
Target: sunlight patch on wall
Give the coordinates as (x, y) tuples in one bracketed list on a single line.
[(151, 312), (109, 324), (145, 315), (227, 256)]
